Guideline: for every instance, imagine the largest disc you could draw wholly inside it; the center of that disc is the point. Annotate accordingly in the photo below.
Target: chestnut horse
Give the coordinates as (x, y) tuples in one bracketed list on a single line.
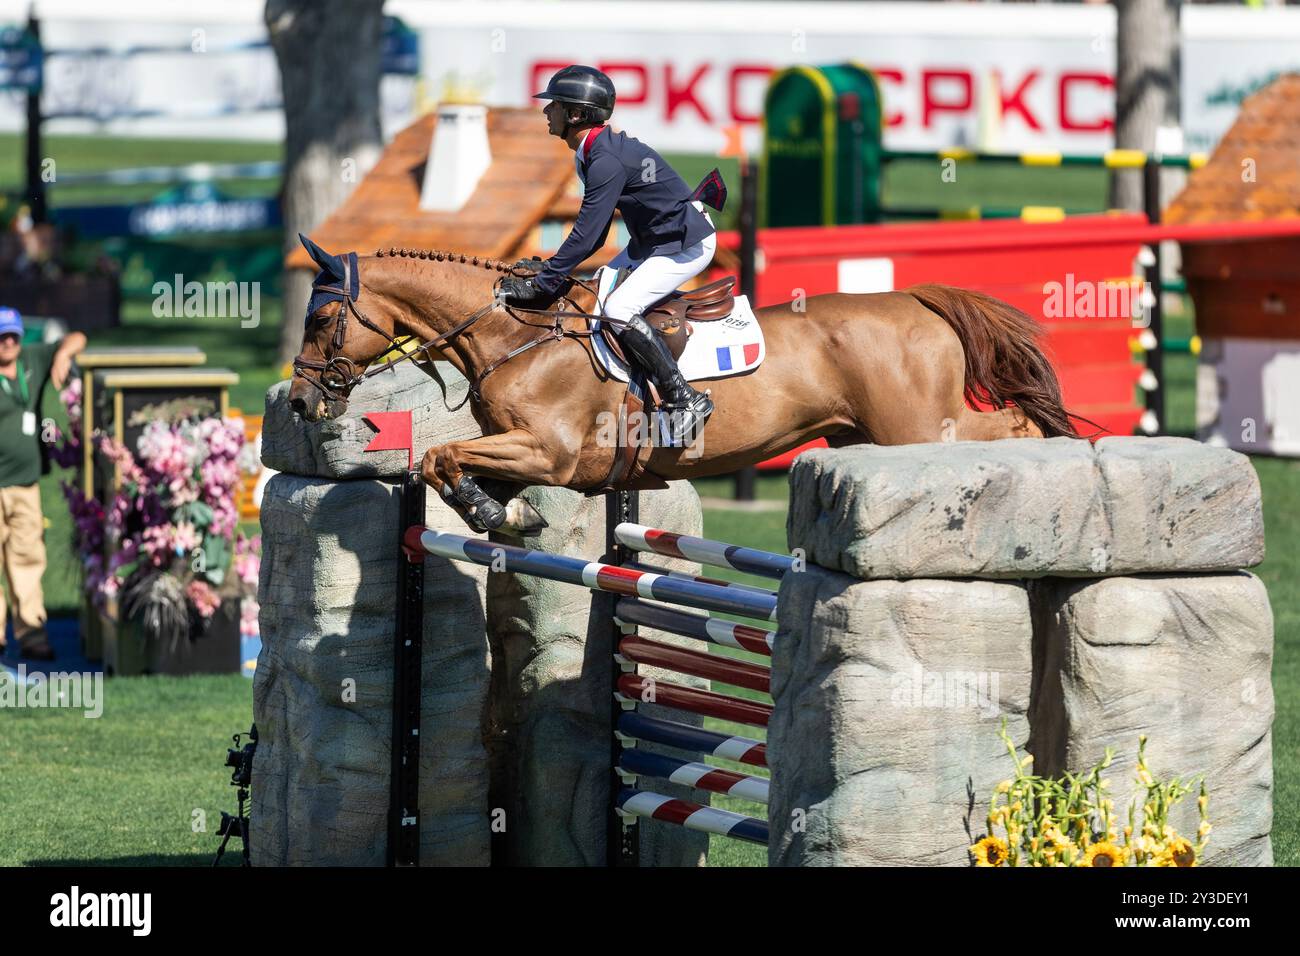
[(889, 368)]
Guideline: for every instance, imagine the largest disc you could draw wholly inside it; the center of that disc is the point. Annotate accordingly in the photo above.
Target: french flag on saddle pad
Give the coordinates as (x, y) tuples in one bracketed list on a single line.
[(738, 358)]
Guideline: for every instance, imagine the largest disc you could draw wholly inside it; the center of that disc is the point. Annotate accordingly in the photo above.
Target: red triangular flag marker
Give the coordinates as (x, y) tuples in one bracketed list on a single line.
[(392, 432)]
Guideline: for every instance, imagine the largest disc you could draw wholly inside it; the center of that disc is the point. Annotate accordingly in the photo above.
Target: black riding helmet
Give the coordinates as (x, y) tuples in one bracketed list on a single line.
[(583, 86)]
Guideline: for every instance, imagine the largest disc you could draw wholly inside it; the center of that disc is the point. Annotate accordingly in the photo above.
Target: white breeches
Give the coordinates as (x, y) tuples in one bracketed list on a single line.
[(653, 278)]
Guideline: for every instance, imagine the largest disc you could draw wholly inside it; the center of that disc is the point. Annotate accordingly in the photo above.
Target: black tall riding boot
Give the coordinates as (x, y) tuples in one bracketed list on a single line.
[(687, 408)]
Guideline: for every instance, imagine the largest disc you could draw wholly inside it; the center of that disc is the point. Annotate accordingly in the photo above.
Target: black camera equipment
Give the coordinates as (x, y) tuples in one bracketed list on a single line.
[(239, 757)]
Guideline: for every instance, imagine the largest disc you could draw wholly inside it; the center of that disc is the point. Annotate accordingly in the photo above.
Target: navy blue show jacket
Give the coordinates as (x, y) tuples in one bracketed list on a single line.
[(620, 172)]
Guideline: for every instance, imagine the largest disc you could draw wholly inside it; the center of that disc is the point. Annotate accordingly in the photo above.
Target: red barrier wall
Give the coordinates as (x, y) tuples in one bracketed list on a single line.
[(1010, 259)]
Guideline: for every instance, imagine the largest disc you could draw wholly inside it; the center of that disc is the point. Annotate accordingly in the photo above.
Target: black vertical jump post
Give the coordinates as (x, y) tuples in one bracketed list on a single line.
[(1156, 354), (622, 843), (408, 645), (746, 477)]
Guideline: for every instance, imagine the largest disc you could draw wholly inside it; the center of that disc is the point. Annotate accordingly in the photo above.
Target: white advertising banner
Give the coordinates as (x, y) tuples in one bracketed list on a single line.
[(688, 74), (691, 76), (1229, 53)]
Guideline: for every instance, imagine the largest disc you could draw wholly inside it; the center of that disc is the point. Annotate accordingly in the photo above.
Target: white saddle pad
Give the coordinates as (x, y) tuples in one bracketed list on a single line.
[(716, 349)]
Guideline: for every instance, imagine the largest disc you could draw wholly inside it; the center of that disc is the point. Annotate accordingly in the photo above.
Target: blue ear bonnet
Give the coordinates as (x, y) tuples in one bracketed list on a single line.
[(337, 273)]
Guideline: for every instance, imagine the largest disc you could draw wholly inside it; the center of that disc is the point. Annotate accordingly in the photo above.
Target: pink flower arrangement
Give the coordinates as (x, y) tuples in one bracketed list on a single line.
[(248, 565), (248, 559), (174, 512), (249, 610), (203, 597)]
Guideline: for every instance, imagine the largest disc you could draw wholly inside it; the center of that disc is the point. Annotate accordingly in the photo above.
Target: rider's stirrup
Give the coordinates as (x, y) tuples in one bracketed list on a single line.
[(685, 423)]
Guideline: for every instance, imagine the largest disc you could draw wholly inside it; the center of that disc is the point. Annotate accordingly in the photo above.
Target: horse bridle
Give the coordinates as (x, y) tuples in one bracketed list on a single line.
[(342, 371)]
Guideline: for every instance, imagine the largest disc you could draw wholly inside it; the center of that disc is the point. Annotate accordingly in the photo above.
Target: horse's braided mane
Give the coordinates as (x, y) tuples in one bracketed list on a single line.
[(440, 255)]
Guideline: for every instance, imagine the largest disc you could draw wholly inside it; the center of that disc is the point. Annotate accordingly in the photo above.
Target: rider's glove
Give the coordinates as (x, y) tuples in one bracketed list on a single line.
[(529, 266), (516, 290)]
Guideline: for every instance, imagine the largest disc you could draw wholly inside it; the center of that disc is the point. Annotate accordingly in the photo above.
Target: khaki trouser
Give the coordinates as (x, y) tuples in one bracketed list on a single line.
[(22, 546)]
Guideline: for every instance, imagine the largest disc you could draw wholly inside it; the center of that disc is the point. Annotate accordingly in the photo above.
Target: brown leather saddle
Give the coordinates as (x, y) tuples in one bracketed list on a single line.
[(672, 315)]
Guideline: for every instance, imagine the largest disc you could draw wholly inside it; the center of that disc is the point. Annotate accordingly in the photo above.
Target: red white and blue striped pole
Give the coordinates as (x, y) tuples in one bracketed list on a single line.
[(719, 554), (691, 774), (589, 574), (693, 816), (746, 637), (703, 579), (696, 740)]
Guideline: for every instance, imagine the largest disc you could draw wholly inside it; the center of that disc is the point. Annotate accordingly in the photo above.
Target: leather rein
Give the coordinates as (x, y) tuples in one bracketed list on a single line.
[(338, 373)]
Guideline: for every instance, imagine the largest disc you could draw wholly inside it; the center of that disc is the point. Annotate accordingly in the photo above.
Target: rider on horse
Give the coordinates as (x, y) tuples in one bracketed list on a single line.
[(671, 237)]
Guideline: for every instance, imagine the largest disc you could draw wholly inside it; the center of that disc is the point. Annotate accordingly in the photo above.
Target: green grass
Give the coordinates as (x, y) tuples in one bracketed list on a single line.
[(87, 154), (121, 789), (913, 182), (1279, 480), (129, 788), (90, 154)]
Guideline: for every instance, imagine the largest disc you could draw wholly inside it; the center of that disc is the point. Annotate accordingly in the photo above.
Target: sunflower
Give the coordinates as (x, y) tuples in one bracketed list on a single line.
[(990, 851), (1104, 853), (1179, 852)]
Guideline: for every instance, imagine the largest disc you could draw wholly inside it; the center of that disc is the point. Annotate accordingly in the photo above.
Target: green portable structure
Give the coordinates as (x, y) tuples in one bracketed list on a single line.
[(822, 146)]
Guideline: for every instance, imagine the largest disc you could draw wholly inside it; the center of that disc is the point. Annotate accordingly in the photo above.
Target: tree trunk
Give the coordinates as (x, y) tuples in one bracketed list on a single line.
[(329, 56), (1146, 85)]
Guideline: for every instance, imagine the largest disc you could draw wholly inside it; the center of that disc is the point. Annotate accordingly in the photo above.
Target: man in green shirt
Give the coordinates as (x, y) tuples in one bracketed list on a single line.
[(24, 370)]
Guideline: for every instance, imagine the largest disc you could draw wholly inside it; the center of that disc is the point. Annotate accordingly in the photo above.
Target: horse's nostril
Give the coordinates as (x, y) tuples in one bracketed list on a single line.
[(299, 405)]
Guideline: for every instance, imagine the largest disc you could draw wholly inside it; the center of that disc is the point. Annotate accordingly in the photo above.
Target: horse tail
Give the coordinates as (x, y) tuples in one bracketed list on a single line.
[(1004, 365)]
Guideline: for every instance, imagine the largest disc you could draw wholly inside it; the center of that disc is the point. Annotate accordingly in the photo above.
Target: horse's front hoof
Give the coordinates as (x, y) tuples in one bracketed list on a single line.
[(523, 520)]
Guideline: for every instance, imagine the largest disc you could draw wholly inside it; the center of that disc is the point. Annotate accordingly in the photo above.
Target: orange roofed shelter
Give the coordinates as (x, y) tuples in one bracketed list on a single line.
[(530, 184), (1247, 291)]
